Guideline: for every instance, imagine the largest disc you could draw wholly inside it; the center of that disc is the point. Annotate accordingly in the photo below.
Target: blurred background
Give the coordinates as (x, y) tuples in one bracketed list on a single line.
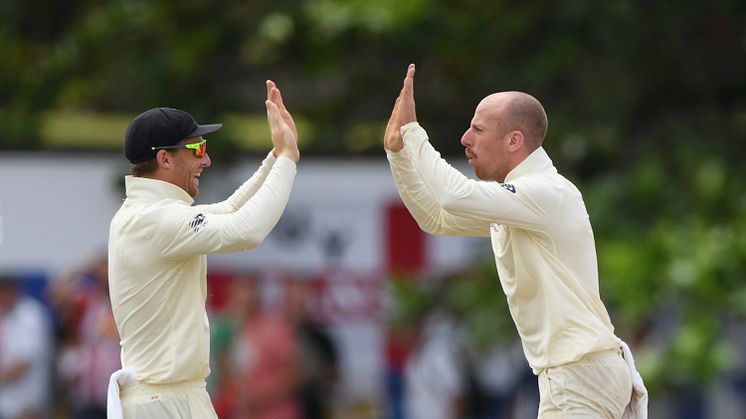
[(353, 312)]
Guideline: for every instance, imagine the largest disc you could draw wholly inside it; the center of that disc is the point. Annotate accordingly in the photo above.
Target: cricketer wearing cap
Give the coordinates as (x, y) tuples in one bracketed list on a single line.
[(542, 241), (158, 242)]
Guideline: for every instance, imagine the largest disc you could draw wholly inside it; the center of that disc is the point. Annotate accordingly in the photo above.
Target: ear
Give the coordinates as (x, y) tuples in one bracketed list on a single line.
[(164, 159), (515, 140)]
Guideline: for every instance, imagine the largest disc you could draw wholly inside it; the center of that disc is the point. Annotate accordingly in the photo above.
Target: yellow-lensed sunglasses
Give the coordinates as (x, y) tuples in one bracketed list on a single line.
[(200, 147)]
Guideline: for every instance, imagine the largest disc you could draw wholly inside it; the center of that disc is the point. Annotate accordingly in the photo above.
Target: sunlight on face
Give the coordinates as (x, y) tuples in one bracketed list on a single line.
[(485, 142)]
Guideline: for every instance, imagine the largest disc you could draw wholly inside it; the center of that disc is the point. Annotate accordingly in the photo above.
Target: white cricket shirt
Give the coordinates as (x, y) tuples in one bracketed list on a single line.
[(541, 237), (158, 244)]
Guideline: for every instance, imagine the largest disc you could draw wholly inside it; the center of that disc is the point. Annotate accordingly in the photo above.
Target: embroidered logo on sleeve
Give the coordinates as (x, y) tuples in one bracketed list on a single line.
[(198, 223), (508, 186)]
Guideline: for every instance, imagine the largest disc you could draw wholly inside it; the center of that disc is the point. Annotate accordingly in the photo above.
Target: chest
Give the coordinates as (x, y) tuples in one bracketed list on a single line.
[(516, 248)]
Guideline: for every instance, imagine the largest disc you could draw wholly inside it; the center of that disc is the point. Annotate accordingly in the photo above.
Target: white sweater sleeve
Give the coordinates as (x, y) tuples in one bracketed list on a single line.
[(423, 202), (244, 192), (185, 230), (444, 201)]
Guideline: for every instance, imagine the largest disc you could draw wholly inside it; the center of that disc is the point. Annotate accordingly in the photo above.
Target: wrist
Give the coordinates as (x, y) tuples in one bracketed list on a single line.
[(293, 155), (394, 148)]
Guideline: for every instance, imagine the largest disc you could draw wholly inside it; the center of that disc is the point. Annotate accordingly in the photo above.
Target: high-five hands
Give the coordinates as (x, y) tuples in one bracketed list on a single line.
[(281, 125), (403, 113)]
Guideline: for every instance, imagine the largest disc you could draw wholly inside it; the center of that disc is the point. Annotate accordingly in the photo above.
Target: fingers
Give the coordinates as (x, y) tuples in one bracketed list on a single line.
[(275, 96), (392, 139), (272, 117), (278, 98), (278, 129), (284, 113), (410, 71), (408, 88), (273, 93), (284, 138), (275, 118), (270, 85), (271, 109), (274, 128), (406, 111)]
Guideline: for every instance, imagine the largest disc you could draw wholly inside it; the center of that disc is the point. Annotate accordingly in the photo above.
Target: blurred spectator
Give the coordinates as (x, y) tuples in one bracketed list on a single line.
[(434, 372), (496, 376), (258, 367), (318, 352), (399, 342), (90, 342), (225, 327), (25, 351)]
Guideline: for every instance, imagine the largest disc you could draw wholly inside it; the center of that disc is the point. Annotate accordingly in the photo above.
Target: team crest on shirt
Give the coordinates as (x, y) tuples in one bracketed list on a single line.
[(508, 186), (198, 223)]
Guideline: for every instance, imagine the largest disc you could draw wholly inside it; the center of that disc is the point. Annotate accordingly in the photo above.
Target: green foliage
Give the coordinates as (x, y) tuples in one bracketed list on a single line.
[(671, 247)]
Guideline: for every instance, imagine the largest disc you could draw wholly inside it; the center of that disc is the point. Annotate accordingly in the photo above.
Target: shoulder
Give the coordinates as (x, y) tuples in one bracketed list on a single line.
[(166, 211), (537, 183)]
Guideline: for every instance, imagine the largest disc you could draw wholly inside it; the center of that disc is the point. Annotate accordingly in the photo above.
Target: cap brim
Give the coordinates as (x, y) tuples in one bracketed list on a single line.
[(204, 130)]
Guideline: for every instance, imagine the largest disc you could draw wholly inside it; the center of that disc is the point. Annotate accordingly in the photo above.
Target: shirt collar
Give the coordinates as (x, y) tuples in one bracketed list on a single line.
[(536, 162), (154, 190)]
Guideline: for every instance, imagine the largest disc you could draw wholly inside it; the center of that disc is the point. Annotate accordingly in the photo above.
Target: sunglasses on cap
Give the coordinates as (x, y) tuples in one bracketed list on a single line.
[(200, 147)]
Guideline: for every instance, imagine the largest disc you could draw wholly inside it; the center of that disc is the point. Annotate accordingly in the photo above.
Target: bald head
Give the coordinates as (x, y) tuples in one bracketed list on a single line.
[(518, 111)]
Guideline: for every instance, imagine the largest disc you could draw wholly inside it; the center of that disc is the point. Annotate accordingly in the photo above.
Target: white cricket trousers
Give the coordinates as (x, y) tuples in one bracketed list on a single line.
[(186, 400), (597, 386)]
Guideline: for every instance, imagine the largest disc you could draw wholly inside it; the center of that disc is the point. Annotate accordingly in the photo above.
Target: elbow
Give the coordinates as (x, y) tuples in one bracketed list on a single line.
[(429, 220), (432, 225), (248, 240), (254, 240), (448, 202), (433, 230), (230, 208), (435, 223)]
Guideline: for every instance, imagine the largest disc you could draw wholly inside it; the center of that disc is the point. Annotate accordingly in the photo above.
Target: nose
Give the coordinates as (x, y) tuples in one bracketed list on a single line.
[(466, 139), (206, 162)]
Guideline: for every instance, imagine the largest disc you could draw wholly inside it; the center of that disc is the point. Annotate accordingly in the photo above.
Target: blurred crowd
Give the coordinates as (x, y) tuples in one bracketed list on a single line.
[(273, 356), (58, 349)]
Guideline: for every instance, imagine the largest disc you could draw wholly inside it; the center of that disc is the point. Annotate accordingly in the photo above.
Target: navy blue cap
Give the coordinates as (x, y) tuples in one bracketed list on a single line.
[(159, 127)]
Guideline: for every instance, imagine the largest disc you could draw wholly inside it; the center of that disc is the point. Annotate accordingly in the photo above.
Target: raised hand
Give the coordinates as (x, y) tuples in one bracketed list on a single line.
[(403, 113), (406, 113), (392, 139), (281, 125)]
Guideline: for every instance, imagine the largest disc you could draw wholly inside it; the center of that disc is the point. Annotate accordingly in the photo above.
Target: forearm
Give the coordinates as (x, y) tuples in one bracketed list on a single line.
[(427, 193), (189, 231), (413, 191), (256, 218), (446, 184), (245, 191)]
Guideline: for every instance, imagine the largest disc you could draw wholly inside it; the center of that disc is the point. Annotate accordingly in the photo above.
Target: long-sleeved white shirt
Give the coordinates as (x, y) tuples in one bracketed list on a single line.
[(541, 238), (24, 339), (158, 242)]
